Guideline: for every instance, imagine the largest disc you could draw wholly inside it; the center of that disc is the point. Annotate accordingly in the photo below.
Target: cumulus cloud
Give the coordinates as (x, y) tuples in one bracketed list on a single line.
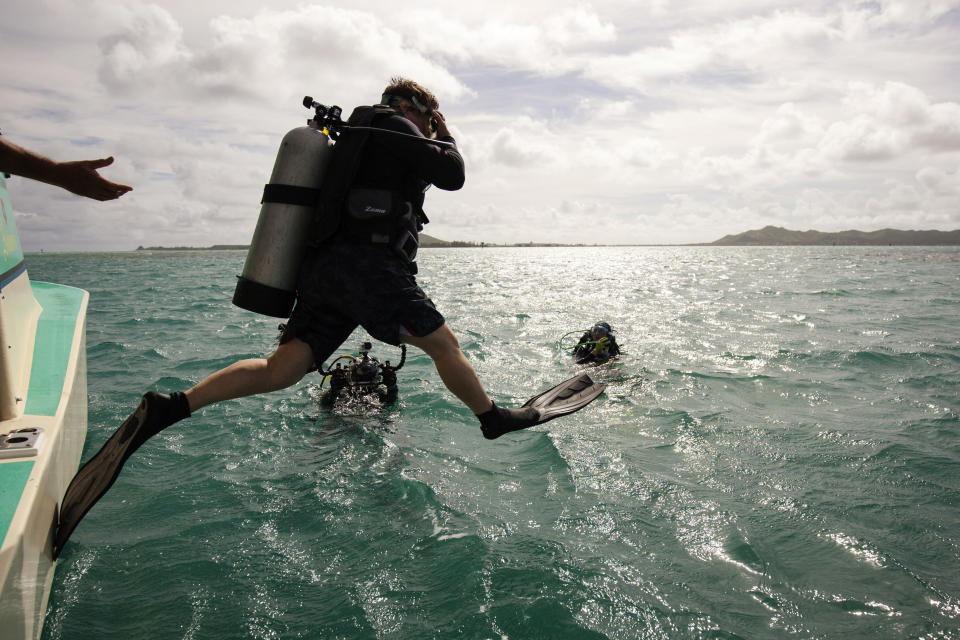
[(506, 149), (887, 124), (275, 52), (736, 50), (893, 119), (150, 44), (549, 45), (931, 198), (788, 124)]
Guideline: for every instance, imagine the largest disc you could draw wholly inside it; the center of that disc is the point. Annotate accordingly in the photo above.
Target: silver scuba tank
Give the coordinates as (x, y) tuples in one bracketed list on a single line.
[(268, 282)]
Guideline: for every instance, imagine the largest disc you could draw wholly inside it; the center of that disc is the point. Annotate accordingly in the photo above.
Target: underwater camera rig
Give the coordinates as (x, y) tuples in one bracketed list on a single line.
[(363, 375)]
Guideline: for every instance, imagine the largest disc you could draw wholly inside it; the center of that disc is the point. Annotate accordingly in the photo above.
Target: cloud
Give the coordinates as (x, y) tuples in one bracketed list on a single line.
[(789, 124), (342, 51), (657, 123), (524, 142), (930, 200), (548, 46), (892, 120), (736, 51), (886, 124), (863, 139), (905, 13), (937, 182), (506, 149), (149, 45), (907, 206)]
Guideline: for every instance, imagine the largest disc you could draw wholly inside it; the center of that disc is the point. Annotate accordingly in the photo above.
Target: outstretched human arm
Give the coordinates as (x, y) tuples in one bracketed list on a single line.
[(79, 177)]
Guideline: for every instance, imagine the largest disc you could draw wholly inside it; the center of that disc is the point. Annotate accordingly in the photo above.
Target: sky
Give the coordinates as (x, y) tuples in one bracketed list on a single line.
[(611, 122)]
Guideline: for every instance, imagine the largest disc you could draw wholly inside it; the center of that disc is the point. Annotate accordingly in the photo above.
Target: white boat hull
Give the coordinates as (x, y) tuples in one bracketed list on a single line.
[(43, 424)]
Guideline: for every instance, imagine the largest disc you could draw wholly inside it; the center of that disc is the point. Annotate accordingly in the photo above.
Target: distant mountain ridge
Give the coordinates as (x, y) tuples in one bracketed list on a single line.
[(778, 236)]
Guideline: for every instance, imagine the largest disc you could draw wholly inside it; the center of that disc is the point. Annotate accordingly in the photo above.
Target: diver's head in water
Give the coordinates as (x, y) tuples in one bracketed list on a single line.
[(600, 330)]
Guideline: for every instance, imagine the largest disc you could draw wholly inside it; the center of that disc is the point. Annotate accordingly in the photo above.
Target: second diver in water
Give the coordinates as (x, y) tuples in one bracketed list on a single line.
[(596, 345)]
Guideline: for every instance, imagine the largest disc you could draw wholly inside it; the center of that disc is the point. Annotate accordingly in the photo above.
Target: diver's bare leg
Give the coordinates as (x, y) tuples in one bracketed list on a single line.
[(157, 411), (283, 368), (454, 368)]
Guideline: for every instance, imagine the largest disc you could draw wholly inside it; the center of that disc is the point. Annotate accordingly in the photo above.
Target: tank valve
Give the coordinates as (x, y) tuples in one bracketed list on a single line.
[(328, 115)]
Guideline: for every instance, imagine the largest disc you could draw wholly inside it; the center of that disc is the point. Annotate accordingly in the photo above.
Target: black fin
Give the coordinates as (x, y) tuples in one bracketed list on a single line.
[(568, 396), (155, 412)]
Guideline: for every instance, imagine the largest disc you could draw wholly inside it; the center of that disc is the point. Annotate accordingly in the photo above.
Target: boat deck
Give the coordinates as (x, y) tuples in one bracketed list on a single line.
[(33, 478)]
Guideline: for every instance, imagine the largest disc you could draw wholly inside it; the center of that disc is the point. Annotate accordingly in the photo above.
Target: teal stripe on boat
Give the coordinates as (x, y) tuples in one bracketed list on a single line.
[(13, 479), (11, 255), (51, 351)]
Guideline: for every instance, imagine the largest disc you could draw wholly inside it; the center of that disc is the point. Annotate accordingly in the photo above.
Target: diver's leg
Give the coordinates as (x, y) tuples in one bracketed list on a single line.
[(454, 368), (157, 411), (460, 378), (283, 368)]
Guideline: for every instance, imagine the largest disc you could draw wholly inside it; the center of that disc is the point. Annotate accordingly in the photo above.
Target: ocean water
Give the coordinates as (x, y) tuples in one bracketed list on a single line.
[(777, 455)]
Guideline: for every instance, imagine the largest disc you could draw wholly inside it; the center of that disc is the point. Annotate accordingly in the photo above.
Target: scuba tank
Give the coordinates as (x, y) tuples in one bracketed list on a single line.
[(268, 282)]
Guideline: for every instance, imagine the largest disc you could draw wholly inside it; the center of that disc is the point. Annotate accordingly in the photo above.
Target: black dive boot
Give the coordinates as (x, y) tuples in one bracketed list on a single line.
[(565, 398), (498, 421)]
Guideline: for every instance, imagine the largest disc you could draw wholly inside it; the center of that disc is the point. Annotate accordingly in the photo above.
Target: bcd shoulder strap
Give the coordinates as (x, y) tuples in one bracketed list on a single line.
[(342, 170)]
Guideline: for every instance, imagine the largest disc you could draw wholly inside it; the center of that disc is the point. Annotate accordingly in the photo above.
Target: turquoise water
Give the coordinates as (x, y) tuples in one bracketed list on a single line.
[(776, 456)]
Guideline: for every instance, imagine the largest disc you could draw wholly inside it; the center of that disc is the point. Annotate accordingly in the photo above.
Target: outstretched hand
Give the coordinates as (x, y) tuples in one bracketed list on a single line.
[(81, 177)]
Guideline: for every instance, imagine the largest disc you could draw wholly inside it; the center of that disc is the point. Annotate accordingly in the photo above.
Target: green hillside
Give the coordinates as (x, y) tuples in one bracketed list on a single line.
[(778, 236)]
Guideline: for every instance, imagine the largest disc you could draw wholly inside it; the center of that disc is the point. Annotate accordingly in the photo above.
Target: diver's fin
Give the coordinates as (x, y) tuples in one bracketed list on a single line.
[(568, 396), (155, 412)]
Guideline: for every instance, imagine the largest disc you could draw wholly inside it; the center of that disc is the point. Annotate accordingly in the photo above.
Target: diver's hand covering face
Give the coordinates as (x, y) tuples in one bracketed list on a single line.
[(440, 123)]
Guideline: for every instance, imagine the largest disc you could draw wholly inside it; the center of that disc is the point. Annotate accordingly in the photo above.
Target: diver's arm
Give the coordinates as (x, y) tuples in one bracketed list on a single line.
[(614, 347), (581, 347), (79, 177), (439, 165)]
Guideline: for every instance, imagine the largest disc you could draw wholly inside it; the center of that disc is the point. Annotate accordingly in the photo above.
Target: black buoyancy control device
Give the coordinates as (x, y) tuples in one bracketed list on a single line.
[(291, 204), (268, 282)]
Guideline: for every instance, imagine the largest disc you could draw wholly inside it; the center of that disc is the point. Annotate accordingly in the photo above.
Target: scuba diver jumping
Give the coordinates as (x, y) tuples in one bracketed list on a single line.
[(358, 270)]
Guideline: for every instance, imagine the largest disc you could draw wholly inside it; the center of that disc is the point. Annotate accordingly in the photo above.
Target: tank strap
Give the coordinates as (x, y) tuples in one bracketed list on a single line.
[(290, 194)]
